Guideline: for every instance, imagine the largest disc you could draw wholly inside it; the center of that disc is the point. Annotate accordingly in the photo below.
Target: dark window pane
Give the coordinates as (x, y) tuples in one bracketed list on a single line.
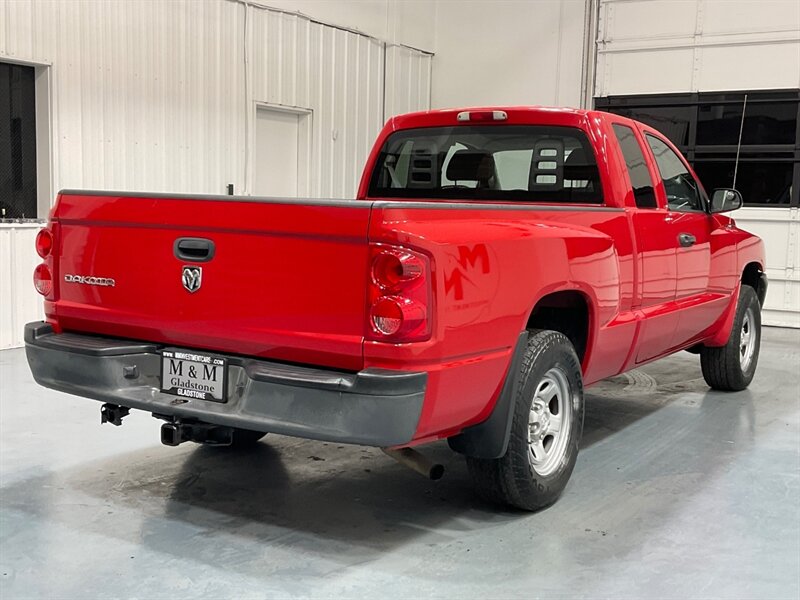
[(708, 153), (764, 123), (637, 167), (683, 193), (767, 183), (672, 121), (734, 97), (17, 142)]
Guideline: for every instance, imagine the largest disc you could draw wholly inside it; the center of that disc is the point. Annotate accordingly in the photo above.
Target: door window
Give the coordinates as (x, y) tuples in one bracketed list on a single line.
[(683, 192)]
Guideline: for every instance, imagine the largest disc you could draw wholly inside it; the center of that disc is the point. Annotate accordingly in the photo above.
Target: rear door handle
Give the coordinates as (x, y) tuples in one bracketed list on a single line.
[(194, 249), (686, 239)]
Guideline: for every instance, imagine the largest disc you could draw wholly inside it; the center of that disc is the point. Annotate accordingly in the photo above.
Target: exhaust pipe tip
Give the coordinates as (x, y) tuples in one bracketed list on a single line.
[(416, 462)]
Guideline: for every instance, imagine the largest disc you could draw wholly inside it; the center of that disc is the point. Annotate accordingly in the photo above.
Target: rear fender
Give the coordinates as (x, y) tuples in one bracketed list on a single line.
[(594, 273), (490, 268)]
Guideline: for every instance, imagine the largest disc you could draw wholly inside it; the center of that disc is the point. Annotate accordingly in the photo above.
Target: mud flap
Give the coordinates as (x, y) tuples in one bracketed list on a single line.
[(489, 439)]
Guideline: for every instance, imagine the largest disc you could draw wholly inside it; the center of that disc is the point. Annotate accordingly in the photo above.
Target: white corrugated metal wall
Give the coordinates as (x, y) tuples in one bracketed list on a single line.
[(336, 74), (408, 80), (19, 303), (161, 96), (491, 52), (660, 46)]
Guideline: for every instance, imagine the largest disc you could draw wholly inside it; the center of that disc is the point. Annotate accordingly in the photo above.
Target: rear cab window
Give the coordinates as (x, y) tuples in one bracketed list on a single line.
[(642, 183), (526, 163)]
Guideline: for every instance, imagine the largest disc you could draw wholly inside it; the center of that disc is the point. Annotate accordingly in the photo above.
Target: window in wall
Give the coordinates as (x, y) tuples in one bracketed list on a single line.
[(672, 121), (769, 180), (17, 142), (767, 121), (638, 173), (683, 193), (769, 163)]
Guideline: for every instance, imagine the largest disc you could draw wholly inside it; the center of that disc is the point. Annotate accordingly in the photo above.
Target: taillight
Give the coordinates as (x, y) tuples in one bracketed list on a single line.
[(399, 295), (43, 280), (44, 243), (387, 316), (392, 267), (44, 274)]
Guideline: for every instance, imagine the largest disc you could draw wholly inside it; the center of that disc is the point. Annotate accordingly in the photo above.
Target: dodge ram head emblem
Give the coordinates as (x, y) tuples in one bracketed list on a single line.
[(192, 278)]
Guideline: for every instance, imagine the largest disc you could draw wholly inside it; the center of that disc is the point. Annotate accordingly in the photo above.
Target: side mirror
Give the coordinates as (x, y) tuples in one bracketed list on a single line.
[(725, 200)]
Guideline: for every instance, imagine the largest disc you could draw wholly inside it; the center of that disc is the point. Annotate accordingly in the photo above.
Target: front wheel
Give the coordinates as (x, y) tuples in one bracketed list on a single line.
[(546, 428), (731, 367)]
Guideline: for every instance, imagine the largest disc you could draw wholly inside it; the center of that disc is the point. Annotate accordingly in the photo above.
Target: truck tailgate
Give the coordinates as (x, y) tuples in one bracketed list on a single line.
[(287, 279)]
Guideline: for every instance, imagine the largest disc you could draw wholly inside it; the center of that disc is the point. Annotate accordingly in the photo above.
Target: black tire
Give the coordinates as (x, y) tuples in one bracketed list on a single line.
[(513, 479), (723, 367)]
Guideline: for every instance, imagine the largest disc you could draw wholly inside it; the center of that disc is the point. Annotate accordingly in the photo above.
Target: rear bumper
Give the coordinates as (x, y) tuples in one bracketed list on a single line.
[(374, 407)]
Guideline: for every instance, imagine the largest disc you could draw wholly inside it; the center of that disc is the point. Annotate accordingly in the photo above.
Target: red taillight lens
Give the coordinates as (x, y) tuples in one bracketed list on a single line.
[(43, 280), (392, 267), (44, 243), (400, 296)]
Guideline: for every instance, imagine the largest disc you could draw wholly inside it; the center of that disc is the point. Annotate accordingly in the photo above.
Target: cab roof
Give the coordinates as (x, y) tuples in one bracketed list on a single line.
[(513, 115)]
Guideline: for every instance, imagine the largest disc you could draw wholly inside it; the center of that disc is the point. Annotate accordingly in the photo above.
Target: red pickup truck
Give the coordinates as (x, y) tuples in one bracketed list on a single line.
[(495, 262)]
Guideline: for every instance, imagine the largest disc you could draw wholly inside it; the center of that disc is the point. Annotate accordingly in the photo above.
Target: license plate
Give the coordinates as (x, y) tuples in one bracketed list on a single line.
[(193, 376)]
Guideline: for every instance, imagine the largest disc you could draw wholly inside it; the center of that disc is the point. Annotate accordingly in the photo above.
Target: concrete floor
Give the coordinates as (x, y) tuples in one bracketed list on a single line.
[(679, 492)]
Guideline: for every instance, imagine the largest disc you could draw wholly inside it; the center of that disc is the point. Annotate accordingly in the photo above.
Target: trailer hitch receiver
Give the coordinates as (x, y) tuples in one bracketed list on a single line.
[(111, 413), (175, 432)]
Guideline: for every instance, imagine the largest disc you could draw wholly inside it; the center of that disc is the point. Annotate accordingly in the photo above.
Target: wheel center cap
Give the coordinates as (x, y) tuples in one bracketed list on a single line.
[(541, 425), (544, 423)]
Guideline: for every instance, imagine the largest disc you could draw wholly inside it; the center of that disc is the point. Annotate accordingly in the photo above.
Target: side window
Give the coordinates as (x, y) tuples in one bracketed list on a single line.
[(683, 193), (642, 183)]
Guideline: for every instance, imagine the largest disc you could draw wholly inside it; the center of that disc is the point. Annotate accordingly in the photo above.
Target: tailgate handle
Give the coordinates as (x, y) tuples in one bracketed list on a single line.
[(193, 249)]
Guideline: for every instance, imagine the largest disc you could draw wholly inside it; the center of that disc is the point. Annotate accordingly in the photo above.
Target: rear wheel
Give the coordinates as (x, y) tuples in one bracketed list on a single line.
[(731, 367), (545, 431)]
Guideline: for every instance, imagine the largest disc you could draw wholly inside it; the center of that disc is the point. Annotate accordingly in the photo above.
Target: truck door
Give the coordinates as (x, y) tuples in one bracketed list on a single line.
[(655, 251), (690, 227)]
